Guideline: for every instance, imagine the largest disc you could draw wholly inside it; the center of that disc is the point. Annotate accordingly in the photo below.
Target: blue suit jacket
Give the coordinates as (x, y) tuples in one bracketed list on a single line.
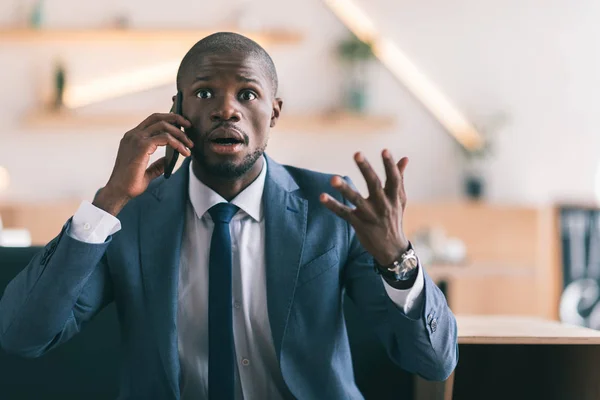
[(312, 257)]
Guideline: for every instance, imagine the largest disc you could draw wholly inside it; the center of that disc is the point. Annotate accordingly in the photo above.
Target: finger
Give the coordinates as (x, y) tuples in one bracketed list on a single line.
[(402, 165), (163, 139), (401, 168), (373, 182), (393, 178), (349, 194), (156, 169), (163, 126), (171, 118), (341, 210)]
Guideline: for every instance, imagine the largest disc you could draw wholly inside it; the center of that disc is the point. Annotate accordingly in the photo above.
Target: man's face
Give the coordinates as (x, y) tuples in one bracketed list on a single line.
[(229, 100)]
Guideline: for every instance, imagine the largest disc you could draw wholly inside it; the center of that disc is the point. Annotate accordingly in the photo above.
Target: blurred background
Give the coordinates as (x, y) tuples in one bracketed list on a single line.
[(494, 104)]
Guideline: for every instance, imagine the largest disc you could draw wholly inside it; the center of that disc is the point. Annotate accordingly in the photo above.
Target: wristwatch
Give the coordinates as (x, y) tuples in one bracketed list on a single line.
[(402, 269)]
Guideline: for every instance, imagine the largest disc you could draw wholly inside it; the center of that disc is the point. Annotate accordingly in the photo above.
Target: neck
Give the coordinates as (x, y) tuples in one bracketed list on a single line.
[(228, 188)]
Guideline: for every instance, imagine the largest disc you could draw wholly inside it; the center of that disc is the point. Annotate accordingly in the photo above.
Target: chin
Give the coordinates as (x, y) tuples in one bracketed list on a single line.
[(229, 168)]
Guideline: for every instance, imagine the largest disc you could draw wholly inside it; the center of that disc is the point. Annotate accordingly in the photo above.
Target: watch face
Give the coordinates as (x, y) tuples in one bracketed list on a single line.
[(411, 263)]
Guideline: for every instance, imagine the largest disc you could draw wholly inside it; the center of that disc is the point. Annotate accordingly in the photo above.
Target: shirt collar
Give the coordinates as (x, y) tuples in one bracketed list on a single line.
[(249, 200)]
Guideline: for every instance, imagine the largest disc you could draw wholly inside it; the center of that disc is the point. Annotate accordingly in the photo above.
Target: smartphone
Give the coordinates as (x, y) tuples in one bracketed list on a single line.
[(171, 155)]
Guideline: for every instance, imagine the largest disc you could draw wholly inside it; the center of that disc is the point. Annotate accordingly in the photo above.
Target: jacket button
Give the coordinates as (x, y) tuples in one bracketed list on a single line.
[(433, 325)]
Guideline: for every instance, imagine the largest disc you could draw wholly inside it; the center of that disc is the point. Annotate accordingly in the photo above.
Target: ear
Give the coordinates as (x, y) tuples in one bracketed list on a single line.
[(277, 106)]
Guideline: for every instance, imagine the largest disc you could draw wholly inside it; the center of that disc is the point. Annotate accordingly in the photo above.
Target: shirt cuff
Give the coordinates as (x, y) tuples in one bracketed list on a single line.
[(92, 225), (409, 300)]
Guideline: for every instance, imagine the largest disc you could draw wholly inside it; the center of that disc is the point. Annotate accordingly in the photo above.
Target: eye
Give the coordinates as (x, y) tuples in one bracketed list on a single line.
[(247, 95), (204, 94)]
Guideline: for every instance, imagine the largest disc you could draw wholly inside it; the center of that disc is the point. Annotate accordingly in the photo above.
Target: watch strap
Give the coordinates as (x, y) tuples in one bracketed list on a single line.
[(392, 275)]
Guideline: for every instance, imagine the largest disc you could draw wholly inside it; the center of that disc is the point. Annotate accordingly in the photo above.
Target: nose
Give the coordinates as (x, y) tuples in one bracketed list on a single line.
[(226, 110)]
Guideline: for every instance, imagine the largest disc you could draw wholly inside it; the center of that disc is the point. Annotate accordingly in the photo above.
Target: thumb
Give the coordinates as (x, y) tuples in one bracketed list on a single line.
[(155, 169)]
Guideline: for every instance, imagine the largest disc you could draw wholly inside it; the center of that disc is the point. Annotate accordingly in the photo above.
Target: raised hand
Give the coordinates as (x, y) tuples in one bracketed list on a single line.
[(377, 219)]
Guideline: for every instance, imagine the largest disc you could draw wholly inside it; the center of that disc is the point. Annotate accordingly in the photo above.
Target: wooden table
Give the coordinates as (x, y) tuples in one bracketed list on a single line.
[(527, 358)]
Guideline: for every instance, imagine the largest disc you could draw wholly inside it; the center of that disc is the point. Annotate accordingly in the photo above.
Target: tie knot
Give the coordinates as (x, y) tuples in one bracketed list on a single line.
[(223, 212)]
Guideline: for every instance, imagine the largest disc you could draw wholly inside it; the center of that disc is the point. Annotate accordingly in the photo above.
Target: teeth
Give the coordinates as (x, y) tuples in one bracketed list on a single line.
[(226, 143), (226, 140)]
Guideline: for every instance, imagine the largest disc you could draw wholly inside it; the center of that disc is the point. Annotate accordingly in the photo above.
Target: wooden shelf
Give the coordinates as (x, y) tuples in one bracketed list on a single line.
[(183, 37), (336, 123), (332, 123)]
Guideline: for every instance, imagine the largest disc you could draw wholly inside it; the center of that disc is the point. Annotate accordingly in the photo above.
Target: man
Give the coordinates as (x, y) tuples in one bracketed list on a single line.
[(280, 244)]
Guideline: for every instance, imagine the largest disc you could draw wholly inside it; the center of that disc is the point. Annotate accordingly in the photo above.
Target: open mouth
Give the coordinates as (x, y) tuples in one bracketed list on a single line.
[(226, 145), (227, 141)]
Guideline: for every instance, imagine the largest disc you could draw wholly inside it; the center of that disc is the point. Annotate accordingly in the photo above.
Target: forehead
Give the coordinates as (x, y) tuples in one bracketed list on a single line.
[(227, 66)]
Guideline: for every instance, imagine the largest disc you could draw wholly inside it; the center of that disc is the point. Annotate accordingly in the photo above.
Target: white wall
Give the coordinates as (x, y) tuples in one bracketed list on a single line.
[(51, 165), (536, 61)]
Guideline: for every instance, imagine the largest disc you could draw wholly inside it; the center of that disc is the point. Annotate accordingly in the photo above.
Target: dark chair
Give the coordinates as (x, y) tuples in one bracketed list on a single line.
[(86, 367)]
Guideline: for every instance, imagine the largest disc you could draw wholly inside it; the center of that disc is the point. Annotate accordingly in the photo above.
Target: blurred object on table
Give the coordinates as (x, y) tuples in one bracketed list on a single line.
[(512, 265), (15, 237), (435, 247)]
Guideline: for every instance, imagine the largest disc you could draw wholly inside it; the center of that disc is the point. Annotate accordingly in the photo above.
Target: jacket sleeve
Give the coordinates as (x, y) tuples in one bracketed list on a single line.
[(51, 299), (426, 344)]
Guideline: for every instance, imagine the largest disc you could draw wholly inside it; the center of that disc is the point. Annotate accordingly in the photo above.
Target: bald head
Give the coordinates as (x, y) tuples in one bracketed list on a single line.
[(223, 43)]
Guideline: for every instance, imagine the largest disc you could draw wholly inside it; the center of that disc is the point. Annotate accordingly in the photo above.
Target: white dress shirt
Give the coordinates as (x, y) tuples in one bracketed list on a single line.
[(258, 373)]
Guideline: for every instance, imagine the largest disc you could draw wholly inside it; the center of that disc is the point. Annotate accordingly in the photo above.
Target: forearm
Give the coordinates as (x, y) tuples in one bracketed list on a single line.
[(412, 339), (36, 309)]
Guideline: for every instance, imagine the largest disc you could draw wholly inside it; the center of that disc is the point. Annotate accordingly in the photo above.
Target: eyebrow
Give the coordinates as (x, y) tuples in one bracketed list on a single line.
[(240, 78), (248, 79)]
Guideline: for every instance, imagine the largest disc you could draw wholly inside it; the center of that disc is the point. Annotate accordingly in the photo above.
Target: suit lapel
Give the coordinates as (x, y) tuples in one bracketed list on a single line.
[(161, 230), (285, 231)]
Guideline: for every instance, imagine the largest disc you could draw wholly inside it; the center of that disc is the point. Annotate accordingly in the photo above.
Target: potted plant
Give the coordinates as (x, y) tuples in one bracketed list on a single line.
[(475, 159), (355, 56), (474, 182)]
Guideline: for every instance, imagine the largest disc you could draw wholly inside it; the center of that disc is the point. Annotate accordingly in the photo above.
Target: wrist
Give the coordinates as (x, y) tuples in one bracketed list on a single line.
[(110, 201), (403, 269), (395, 254)]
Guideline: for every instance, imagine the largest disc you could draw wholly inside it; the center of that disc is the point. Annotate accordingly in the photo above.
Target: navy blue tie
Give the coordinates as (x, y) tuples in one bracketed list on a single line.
[(221, 348)]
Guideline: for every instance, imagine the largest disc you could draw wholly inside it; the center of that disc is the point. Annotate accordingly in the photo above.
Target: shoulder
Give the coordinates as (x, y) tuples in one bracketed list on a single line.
[(307, 178), (312, 183)]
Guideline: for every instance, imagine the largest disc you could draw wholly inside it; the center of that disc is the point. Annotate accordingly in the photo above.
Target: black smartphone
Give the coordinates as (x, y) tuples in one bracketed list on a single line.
[(171, 155)]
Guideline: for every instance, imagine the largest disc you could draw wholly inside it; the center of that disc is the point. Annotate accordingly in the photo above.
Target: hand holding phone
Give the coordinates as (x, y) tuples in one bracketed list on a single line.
[(171, 155), (131, 173)]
